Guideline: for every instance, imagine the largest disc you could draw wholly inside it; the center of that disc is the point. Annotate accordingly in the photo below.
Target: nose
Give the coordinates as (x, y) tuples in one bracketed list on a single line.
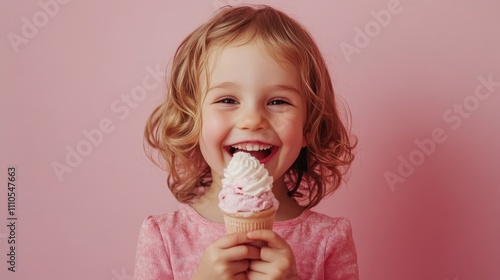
[(252, 118)]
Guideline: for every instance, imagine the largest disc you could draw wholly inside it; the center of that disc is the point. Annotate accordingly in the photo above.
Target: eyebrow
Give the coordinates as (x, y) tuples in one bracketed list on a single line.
[(276, 87), (224, 85)]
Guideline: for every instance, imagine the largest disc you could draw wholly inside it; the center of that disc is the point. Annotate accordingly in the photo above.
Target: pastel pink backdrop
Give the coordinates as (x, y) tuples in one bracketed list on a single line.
[(75, 72)]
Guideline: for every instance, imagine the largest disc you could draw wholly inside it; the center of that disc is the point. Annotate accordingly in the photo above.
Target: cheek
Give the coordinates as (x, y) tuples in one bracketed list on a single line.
[(207, 140), (213, 133), (290, 127), (294, 139), (212, 128)]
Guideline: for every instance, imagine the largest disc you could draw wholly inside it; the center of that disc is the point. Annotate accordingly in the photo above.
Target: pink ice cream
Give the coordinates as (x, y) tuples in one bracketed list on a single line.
[(246, 186)]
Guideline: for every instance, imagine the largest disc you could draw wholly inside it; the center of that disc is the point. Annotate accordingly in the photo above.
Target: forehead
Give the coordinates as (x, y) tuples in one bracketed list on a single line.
[(248, 64)]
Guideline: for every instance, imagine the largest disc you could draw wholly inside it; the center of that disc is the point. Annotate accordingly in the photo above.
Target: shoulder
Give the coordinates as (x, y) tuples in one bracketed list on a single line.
[(323, 245), (336, 238), (327, 230), (153, 255), (337, 233), (158, 231), (319, 227), (339, 248), (179, 225), (165, 222), (319, 222)]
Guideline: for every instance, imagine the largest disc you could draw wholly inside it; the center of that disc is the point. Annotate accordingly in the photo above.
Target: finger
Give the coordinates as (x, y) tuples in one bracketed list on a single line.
[(255, 275), (270, 268), (258, 243), (257, 266), (240, 252), (239, 266), (241, 276), (232, 240), (272, 238), (280, 259)]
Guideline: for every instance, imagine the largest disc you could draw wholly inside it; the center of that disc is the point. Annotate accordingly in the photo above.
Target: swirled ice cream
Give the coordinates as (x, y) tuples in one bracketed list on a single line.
[(246, 186)]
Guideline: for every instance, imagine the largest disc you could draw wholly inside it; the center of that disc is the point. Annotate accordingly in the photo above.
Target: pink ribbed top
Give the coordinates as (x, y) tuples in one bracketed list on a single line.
[(170, 245)]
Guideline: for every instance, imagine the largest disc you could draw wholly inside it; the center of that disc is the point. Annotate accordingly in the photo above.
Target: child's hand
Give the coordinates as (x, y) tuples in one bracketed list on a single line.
[(276, 261), (227, 258)]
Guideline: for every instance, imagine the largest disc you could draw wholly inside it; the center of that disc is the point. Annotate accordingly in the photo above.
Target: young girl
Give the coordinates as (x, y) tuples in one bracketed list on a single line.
[(250, 79)]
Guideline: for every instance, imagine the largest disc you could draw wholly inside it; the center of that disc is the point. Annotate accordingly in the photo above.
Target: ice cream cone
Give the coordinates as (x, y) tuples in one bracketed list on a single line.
[(241, 223), (246, 198), (238, 222)]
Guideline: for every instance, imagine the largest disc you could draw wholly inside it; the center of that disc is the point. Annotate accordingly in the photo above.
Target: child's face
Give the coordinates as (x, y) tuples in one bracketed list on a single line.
[(254, 104)]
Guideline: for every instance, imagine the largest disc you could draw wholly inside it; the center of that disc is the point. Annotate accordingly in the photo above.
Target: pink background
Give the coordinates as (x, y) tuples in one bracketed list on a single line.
[(407, 79)]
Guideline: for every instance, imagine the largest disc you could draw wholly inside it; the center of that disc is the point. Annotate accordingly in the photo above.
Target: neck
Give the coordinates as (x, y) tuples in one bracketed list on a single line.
[(289, 208), (208, 204)]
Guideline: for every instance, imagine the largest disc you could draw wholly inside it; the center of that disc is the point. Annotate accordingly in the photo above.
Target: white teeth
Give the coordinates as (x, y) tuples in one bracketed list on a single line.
[(251, 147)]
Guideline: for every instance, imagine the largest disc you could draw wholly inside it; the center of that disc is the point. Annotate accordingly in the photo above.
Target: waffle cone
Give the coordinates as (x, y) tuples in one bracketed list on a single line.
[(239, 223)]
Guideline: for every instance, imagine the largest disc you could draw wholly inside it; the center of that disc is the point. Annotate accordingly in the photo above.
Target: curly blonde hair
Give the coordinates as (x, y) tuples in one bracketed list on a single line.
[(173, 129)]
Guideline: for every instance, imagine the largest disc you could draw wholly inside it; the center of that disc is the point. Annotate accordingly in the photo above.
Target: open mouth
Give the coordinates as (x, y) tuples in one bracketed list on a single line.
[(259, 151)]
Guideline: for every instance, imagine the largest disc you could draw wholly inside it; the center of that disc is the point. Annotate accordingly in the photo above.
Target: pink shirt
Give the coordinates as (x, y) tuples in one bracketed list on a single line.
[(170, 245)]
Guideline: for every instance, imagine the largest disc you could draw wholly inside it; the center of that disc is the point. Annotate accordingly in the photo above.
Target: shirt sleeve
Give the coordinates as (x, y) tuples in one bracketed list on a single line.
[(341, 259), (152, 261)]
